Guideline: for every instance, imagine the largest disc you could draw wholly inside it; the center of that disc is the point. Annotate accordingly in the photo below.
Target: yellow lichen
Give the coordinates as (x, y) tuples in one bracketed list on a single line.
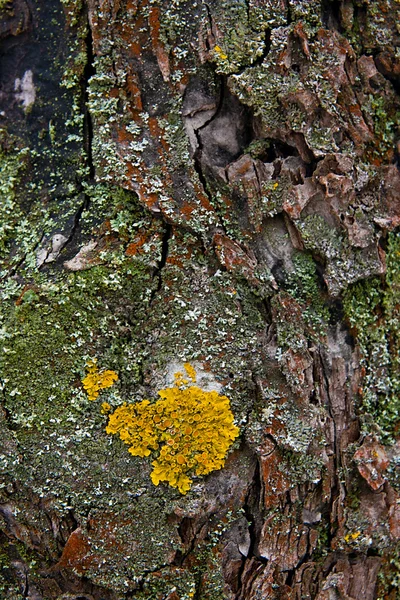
[(220, 52), (96, 380), (352, 536), (191, 371), (188, 430), (105, 408), (180, 380)]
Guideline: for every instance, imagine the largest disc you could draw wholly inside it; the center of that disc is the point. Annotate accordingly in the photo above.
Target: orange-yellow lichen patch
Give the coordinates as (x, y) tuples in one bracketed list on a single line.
[(191, 371), (350, 537), (180, 380), (105, 408), (220, 52), (188, 430), (96, 380)]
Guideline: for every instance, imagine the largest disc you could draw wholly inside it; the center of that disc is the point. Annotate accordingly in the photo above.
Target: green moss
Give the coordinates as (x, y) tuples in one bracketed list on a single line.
[(290, 328), (260, 87), (165, 582), (43, 194), (52, 331), (373, 311), (385, 114), (320, 236), (73, 10), (9, 590), (47, 340), (385, 127), (116, 212), (11, 166), (60, 448), (374, 25), (307, 11), (345, 264), (323, 546), (54, 441), (257, 148), (242, 35), (302, 284)]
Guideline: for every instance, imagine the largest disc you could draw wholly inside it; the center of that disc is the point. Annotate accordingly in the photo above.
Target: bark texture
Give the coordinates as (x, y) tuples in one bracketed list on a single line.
[(213, 182)]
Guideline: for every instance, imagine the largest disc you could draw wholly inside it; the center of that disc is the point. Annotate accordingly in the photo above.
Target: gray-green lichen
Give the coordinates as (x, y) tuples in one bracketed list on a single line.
[(157, 293)]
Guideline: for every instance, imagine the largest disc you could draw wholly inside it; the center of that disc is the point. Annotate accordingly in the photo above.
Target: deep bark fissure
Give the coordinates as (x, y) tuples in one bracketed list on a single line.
[(211, 22), (259, 182), (289, 18), (335, 484), (197, 156), (330, 13), (291, 573), (248, 10), (252, 513), (188, 538), (25, 591), (267, 47), (251, 509), (197, 131), (164, 251), (88, 72), (360, 18)]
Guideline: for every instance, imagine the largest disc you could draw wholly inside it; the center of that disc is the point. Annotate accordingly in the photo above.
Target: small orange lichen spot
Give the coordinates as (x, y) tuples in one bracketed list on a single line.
[(96, 380), (179, 379), (220, 52), (190, 371), (105, 408), (352, 536), (188, 430)]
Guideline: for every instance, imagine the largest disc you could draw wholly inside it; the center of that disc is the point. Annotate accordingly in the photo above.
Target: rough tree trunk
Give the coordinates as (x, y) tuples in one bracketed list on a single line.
[(213, 183)]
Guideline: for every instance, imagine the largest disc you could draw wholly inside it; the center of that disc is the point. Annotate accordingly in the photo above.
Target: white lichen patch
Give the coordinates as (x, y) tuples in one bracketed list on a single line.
[(25, 90), (204, 379)]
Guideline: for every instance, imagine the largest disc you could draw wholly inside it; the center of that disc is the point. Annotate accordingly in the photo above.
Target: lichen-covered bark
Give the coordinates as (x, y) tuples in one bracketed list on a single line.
[(213, 183)]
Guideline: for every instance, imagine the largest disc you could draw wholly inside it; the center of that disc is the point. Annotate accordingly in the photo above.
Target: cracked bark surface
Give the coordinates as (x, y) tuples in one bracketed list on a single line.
[(215, 183)]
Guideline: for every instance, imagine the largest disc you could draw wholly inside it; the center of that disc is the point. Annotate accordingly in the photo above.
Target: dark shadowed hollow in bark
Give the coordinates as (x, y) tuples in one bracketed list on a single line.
[(209, 188)]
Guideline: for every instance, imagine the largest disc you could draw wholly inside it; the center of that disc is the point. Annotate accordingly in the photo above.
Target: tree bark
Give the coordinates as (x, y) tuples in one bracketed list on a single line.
[(213, 184)]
